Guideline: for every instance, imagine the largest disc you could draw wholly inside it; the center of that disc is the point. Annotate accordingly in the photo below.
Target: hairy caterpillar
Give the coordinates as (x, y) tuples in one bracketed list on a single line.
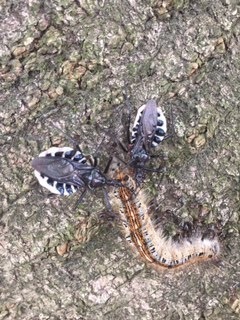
[(150, 242)]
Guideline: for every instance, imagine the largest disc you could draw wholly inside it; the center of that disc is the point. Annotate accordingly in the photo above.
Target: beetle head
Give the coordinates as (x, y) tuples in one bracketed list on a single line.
[(139, 157)]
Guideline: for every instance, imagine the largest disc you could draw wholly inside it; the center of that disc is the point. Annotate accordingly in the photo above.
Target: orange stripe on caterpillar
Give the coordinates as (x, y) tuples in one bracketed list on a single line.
[(150, 242)]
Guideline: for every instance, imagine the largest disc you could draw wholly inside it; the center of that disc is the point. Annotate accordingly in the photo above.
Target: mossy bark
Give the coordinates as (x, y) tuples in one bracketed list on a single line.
[(69, 63)]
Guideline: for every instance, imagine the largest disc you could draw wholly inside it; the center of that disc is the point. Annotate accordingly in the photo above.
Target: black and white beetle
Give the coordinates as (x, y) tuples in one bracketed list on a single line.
[(64, 170), (149, 129)]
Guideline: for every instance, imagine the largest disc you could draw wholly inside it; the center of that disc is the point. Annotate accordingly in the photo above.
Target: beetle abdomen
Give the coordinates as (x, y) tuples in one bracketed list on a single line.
[(54, 165), (145, 117)]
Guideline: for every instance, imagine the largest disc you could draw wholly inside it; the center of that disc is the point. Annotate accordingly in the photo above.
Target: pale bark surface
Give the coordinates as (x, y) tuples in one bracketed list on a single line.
[(68, 62)]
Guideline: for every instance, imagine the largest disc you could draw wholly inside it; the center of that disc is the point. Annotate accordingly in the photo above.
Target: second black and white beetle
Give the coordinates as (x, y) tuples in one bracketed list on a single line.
[(64, 170), (149, 129)]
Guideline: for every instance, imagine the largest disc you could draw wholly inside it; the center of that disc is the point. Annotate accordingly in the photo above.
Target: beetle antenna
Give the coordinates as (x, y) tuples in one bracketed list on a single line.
[(71, 140)]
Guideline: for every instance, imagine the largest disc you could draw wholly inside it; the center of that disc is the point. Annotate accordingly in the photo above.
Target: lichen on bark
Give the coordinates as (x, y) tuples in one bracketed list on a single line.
[(68, 63)]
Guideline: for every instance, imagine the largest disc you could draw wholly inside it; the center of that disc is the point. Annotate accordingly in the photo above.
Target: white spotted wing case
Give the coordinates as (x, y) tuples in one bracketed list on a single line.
[(54, 165), (151, 123)]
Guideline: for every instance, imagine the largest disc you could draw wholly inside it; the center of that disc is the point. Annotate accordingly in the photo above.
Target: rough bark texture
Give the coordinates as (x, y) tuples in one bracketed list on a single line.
[(68, 62)]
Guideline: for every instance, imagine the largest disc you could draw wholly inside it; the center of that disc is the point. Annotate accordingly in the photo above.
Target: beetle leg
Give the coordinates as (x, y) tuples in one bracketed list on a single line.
[(129, 107), (80, 198), (107, 201), (108, 165)]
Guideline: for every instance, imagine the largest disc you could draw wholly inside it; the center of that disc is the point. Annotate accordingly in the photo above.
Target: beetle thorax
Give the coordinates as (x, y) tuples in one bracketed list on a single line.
[(96, 179)]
